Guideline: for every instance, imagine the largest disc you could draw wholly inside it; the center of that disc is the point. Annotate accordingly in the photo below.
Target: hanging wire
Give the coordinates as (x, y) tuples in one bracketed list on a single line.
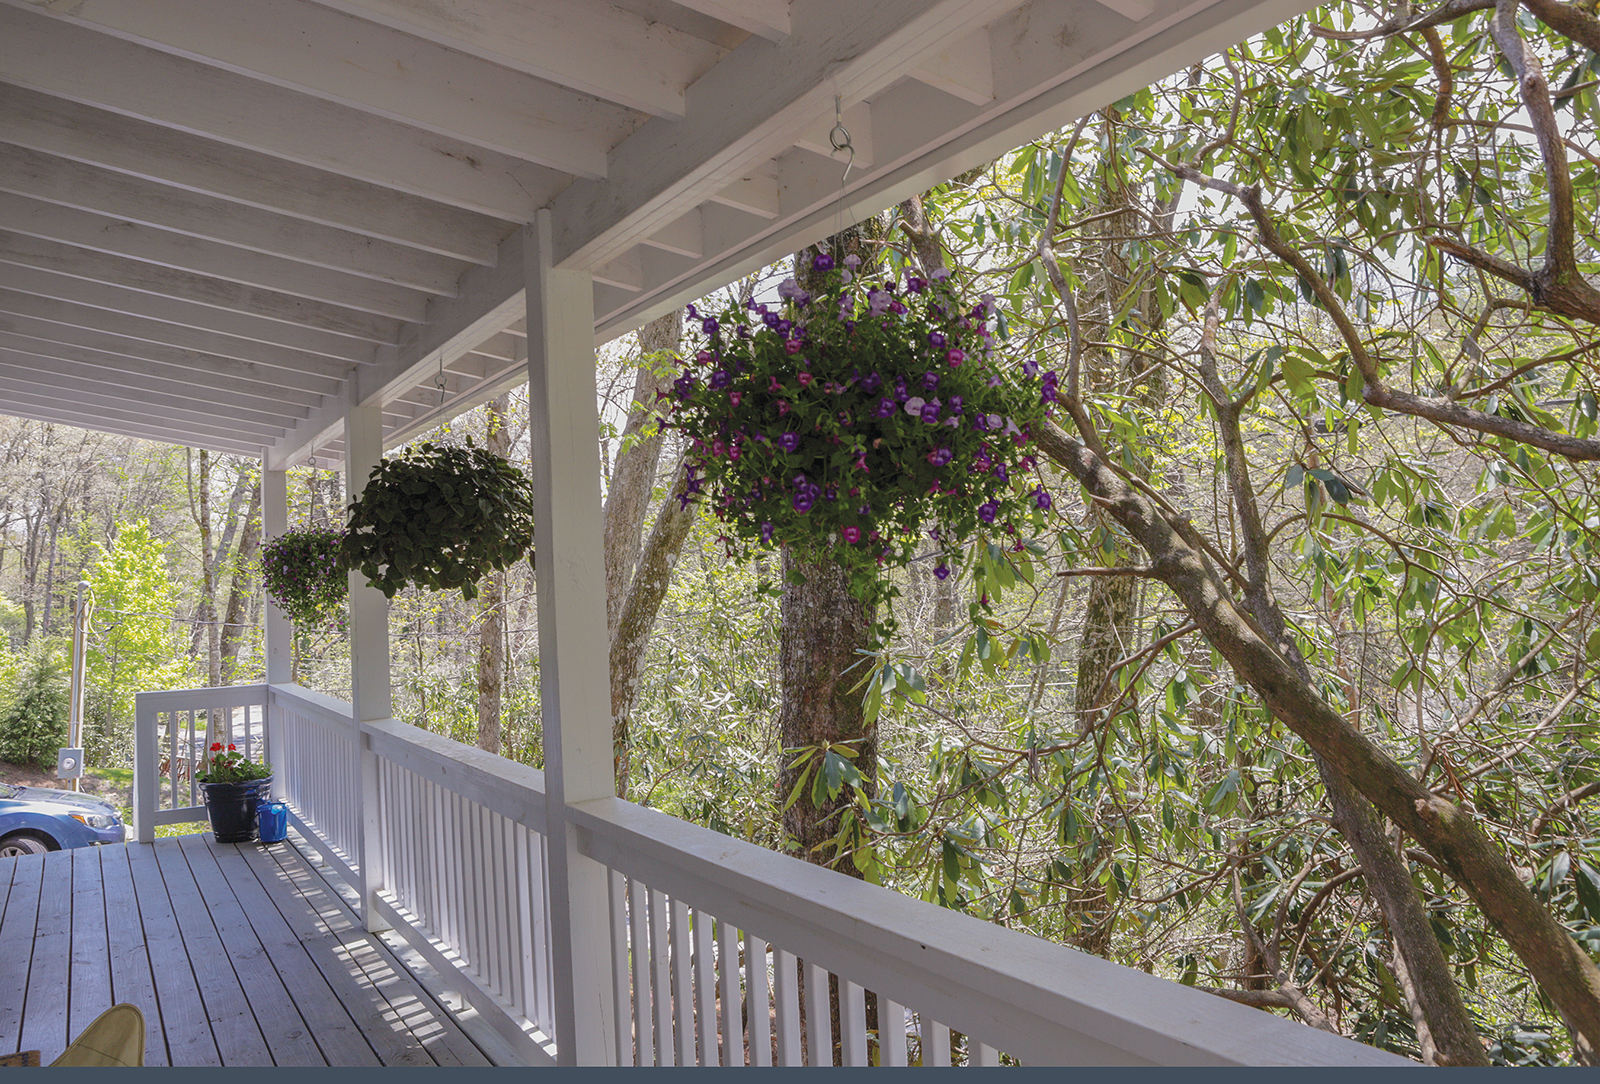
[(438, 381), (839, 140)]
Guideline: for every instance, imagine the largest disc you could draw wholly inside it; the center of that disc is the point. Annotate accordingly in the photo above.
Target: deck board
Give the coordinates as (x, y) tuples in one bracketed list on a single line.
[(276, 1018), (16, 935), (336, 1033), (236, 954), (184, 1027), (131, 979), (90, 978), (44, 1010), (435, 1029)]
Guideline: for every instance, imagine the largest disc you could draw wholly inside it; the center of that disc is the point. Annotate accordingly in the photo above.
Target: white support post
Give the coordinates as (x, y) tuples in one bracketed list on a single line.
[(574, 693), (369, 658), (279, 632)]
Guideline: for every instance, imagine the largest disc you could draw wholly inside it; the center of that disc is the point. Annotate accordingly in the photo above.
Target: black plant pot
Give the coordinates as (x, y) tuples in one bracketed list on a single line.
[(232, 808)]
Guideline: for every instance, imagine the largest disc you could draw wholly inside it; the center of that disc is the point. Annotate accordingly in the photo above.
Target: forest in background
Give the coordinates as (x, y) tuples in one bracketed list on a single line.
[(1324, 315)]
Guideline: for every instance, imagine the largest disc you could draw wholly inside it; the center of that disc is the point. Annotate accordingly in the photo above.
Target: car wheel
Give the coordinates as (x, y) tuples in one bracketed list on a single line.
[(20, 843)]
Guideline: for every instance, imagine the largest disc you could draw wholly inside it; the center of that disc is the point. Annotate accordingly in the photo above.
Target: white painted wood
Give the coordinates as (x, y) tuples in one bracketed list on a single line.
[(489, 301), (758, 1000), (891, 1033), (816, 137), (765, 18), (754, 103), (683, 235), (731, 994), (639, 943), (755, 193), (964, 68), (819, 1022), (786, 1007), (304, 47), (249, 385), (1043, 1003), (278, 631), (369, 661), (682, 984), (113, 298), (510, 789), (591, 47), (661, 978), (99, 191), (983, 1056), (142, 149), (33, 252), (31, 385), (570, 588), (72, 379), (146, 764), (120, 237), (705, 989), (81, 64), (625, 272), (853, 1023), (618, 885), (31, 310), (23, 403), (935, 1044)]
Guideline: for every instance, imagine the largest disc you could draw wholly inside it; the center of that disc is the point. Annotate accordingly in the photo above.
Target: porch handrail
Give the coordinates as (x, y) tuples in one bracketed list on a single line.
[(695, 917)]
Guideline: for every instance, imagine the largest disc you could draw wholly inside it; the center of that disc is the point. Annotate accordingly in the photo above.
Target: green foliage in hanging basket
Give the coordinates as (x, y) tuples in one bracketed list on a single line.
[(302, 572), (439, 516)]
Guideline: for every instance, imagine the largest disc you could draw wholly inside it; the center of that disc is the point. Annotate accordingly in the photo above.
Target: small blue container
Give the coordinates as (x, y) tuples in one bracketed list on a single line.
[(274, 821)]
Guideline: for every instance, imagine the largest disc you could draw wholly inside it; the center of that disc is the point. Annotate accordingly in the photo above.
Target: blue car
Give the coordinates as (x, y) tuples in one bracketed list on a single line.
[(38, 819)]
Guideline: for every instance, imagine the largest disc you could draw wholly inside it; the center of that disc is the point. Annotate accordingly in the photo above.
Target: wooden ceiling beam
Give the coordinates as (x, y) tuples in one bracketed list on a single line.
[(167, 156), (327, 54), (89, 188), (591, 47), (119, 237), (167, 282), (226, 375), (83, 65), (74, 386)]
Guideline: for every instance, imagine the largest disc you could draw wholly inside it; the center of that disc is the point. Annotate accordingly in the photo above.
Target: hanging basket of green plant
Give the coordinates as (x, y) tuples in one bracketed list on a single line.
[(848, 423), (439, 516), (302, 572)]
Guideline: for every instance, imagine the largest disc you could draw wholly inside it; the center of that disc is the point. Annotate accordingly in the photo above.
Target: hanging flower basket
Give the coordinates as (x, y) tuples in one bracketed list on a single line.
[(851, 423), (439, 516), (302, 573)]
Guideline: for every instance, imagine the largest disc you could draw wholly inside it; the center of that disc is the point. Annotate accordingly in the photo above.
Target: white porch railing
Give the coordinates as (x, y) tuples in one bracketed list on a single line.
[(173, 732), (713, 943)]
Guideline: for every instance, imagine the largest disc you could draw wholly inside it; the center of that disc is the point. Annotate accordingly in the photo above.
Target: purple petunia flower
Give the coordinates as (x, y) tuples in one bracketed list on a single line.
[(955, 405), (885, 408), (710, 325), (1042, 499), (872, 383), (930, 381), (988, 510), (1030, 368), (955, 356), (788, 441), (766, 531), (1000, 472), (823, 262), (719, 380), (941, 572), (940, 456), (803, 501), (852, 261), (915, 285), (936, 339), (930, 411), (852, 535)]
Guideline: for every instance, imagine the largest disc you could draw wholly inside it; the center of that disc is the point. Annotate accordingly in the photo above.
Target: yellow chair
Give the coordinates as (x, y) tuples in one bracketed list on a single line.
[(116, 1037)]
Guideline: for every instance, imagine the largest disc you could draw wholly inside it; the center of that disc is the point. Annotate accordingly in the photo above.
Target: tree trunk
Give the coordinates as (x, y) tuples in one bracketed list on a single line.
[(491, 607), (638, 617), (1563, 970), (634, 475), (233, 624), (824, 631)]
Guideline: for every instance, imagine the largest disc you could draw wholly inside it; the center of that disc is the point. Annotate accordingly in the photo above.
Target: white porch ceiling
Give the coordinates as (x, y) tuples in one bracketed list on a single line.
[(221, 220)]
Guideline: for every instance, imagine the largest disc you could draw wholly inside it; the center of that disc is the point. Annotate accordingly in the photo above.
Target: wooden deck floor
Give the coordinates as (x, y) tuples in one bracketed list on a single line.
[(237, 954)]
